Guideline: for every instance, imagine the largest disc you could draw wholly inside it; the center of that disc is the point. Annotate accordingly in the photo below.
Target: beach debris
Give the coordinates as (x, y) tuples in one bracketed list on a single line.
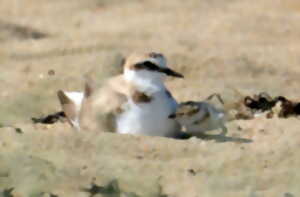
[(288, 107), (110, 189), (50, 119), (263, 103), (8, 192)]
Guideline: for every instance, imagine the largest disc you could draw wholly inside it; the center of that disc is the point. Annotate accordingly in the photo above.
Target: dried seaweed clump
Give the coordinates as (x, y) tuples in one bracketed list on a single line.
[(50, 119), (111, 189), (280, 105)]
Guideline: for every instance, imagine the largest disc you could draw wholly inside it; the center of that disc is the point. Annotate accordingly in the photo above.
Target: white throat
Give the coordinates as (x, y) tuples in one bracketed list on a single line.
[(145, 81)]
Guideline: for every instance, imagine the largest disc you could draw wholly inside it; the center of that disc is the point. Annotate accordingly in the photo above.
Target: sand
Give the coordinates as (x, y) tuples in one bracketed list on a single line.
[(220, 46)]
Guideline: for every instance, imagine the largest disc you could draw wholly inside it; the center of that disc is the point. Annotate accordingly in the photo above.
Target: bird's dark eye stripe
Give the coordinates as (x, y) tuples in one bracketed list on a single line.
[(147, 65), (155, 55)]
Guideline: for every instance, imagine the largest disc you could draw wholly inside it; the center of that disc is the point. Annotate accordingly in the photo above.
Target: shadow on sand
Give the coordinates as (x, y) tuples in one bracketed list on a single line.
[(223, 138), (218, 138)]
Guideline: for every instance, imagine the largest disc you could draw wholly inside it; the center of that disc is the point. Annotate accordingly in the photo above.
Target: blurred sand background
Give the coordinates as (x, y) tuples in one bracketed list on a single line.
[(219, 45)]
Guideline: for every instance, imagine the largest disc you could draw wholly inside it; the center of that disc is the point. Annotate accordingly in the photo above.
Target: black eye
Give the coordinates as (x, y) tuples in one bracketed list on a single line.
[(151, 66), (146, 65)]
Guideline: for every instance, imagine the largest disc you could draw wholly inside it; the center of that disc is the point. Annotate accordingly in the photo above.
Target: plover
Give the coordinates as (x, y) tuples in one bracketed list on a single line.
[(147, 109), (199, 117), (136, 102)]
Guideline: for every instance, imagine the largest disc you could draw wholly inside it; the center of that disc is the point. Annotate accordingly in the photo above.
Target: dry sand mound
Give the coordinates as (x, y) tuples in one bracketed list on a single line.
[(257, 158)]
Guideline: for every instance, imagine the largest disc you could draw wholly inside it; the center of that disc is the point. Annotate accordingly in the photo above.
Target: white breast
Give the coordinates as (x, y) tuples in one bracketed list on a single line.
[(149, 118)]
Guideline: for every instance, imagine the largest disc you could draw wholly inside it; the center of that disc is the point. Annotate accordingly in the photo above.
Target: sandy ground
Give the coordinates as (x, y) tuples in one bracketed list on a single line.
[(219, 46)]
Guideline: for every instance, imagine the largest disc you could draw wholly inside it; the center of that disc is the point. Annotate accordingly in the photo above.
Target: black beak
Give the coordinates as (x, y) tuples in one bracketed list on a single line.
[(170, 72), (172, 116)]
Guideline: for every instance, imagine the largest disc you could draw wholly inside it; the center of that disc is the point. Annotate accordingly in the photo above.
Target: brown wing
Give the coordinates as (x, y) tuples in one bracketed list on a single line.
[(99, 110)]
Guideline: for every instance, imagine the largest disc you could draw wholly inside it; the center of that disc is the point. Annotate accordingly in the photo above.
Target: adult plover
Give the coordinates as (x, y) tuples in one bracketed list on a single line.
[(136, 102), (198, 117)]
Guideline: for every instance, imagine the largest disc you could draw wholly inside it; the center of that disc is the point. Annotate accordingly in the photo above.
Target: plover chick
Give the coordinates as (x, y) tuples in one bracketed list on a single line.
[(138, 99), (198, 117)]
